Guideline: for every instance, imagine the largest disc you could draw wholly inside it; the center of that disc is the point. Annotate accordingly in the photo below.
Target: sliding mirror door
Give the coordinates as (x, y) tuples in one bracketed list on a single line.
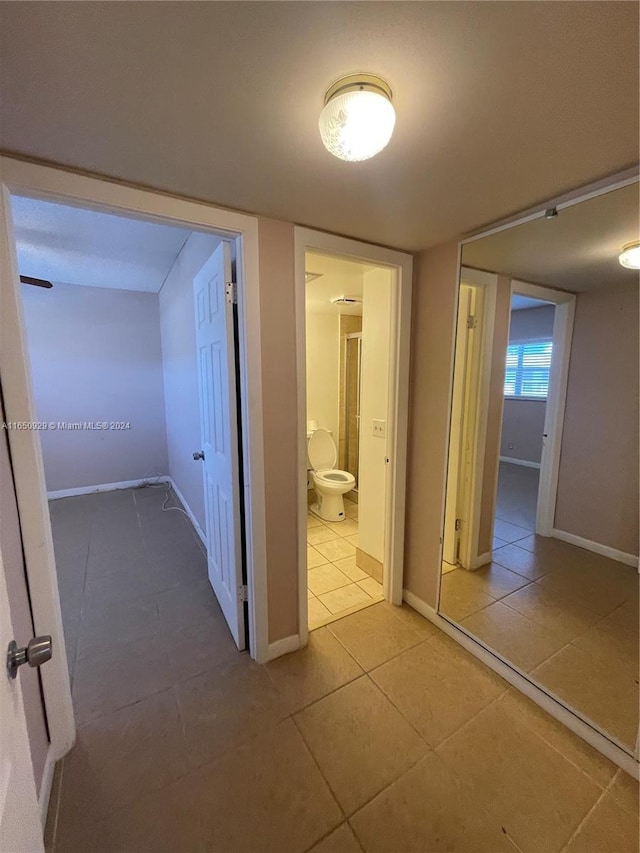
[(540, 541)]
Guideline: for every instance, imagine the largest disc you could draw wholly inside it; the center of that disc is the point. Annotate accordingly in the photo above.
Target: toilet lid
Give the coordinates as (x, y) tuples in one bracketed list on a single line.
[(322, 451)]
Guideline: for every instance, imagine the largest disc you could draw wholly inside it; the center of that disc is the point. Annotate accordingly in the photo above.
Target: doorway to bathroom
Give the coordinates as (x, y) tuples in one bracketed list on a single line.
[(353, 321)]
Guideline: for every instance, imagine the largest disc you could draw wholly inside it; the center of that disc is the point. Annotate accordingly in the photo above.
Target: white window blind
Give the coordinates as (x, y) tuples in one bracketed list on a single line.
[(528, 365)]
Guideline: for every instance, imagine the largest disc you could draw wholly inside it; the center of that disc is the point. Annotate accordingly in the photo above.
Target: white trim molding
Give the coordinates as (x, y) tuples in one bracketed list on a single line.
[(401, 264), (104, 487), (283, 647), (526, 463), (597, 739), (596, 547)]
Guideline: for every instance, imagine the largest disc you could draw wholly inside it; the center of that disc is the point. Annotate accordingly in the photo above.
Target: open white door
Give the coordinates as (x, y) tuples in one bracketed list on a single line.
[(215, 343), (20, 827)]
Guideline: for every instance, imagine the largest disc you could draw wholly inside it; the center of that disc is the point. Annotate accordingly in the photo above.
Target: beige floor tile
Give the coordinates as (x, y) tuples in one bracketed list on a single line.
[(373, 588), (267, 795), (313, 521), (315, 558), (139, 748), (310, 595), (344, 598), (325, 578), (341, 840), (448, 567), (188, 604), (599, 594), (612, 641), (535, 793), (521, 561), (430, 809), (498, 543), (354, 540), (348, 566), (225, 707), (318, 613), (320, 534), (438, 687), (309, 674), (509, 532), (337, 549), (107, 629), (460, 597), (624, 789), (343, 528), (104, 683), (588, 684), (561, 616), (411, 617), (607, 828), (513, 636), (577, 751), (360, 742), (199, 647), (375, 635), (496, 580), (351, 510)]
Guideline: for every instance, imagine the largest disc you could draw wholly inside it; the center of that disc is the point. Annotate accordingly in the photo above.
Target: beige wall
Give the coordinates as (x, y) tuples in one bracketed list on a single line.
[(432, 336), (279, 382), (598, 479), (323, 370), (494, 415)]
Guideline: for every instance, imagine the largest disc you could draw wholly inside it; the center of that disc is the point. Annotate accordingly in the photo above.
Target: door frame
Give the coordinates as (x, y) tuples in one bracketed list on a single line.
[(565, 307), (401, 263), (19, 177), (474, 429)]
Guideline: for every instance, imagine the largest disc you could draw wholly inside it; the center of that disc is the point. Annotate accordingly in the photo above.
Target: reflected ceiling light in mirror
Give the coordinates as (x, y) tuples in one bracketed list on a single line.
[(630, 256), (358, 117)]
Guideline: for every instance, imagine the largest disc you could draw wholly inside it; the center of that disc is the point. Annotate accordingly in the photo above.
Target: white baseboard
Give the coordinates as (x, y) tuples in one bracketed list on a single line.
[(283, 647), (201, 534), (105, 487), (481, 560), (604, 550), (592, 736), (524, 462), (45, 785)]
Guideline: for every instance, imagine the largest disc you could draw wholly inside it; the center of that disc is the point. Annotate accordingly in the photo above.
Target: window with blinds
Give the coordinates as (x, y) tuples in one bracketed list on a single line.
[(528, 365)]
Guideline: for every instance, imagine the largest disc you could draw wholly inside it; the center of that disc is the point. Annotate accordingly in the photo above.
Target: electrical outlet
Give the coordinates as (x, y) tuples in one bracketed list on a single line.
[(379, 428), (510, 446)]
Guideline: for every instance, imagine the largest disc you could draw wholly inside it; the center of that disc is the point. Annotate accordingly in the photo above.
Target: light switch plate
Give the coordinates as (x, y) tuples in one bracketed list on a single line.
[(379, 428)]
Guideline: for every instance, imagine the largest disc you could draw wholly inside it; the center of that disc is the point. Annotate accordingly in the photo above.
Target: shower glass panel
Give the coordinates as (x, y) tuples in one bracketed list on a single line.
[(353, 354)]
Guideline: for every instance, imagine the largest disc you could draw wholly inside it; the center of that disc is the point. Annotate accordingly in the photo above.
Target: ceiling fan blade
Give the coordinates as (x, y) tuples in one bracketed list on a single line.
[(38, 282)]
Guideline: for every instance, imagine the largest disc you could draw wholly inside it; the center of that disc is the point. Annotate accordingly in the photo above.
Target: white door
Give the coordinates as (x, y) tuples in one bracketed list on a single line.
[(215, 344), (20, 829)]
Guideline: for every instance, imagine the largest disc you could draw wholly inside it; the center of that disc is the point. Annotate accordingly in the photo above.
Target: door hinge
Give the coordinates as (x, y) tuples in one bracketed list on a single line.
[(458, 524), (243, 592), (472, 323), (231, 292)]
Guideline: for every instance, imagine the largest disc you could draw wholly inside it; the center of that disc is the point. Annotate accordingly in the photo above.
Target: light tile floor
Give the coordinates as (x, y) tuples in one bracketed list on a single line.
[(381, 736), (336, 586), (567, 616)]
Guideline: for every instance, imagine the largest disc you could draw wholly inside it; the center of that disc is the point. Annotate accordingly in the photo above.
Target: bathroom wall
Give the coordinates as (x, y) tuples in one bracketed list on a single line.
[(523, 420), (180, 370), (95, 356), (349, 324), (323, 370), (376, 305)]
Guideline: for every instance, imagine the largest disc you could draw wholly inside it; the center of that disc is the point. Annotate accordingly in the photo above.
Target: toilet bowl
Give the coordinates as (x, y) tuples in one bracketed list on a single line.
[(330, 483)]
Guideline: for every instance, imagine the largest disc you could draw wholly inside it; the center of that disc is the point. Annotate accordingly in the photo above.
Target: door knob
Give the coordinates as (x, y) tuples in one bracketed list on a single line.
[(199, 455), (35, 653)]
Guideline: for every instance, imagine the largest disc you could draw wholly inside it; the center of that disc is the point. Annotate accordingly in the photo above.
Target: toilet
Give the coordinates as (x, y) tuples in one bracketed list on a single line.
[(330, 483)]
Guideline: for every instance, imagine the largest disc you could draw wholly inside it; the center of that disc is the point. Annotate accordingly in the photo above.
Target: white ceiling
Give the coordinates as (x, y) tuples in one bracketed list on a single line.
[(577, 250), (499, 105), (78, 246), (337, 277)]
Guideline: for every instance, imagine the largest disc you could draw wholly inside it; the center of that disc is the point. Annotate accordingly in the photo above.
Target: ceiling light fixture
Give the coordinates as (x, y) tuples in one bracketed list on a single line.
[(358, 117), (630, 256)]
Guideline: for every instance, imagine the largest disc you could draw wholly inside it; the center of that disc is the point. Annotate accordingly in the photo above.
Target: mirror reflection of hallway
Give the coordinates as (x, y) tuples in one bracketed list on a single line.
[(543, 480)]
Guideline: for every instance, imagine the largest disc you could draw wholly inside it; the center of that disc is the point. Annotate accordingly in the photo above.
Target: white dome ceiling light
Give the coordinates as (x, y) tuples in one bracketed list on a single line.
[(630, 256), (358, 117)]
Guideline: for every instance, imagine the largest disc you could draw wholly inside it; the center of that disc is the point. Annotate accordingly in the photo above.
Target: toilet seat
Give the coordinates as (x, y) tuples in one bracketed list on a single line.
[(334, 475)]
